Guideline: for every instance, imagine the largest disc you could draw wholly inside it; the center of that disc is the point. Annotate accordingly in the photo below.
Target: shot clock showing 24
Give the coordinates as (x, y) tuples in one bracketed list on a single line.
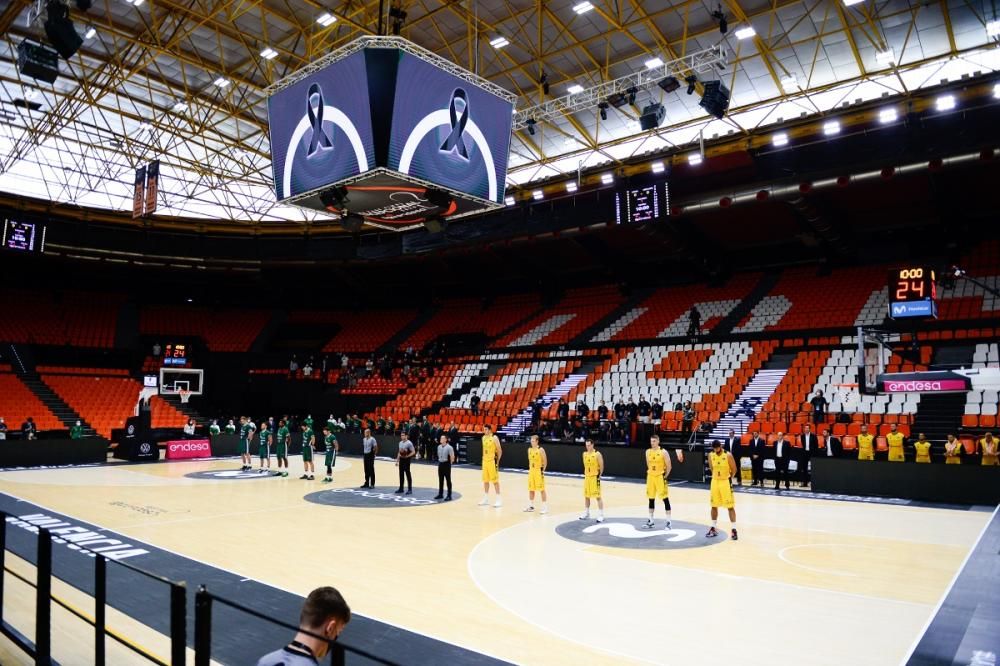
[(912, 293)]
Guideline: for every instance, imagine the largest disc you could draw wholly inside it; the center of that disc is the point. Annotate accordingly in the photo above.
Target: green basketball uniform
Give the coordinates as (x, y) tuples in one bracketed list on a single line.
[(245, 431), (331, 450), (307, 451), (263, 442), (280, 448)]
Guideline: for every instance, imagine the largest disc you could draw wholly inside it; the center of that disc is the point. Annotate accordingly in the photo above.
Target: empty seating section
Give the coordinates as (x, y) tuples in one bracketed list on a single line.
[(89, 372), (74, 318), (378, 385), (507, 392), (986, 355), (981, 404), (839, 299), (577, 311), (17, 403), (786, 410), (425, 393), (665, 312), (106, 402), (469, 316), (223, 330), (364, 332)]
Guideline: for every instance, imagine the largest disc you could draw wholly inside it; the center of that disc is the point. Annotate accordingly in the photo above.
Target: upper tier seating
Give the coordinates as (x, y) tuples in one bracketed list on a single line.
[(665, 312), (106, 402), (425, 393), (469, 316), (559, 324), (76, 318), (17, 403), (359, 332), (223, 330)]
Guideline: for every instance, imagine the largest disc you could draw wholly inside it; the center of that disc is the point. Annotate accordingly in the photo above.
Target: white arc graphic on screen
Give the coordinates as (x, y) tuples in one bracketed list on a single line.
[(338, 118), (443, 117), (628, 531)]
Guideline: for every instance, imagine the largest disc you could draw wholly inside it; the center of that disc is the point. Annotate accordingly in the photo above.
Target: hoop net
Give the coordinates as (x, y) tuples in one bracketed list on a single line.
[(184, 396)]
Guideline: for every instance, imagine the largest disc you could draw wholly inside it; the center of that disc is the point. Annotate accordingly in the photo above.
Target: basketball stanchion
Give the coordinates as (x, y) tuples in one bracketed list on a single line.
[(100, 610), (43, 599)]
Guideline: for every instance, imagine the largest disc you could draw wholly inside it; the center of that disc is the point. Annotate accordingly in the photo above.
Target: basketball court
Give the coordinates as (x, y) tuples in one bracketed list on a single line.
[(862, 579)]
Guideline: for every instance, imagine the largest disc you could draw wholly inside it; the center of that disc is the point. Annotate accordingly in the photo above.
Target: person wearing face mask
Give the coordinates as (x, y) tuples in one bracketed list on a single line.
[(76, 431), (324, 616)]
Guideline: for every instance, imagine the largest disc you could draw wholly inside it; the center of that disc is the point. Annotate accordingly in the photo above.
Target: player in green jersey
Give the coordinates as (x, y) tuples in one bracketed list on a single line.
[(308, 446), (264, 448), (332, 448), (281, 444)]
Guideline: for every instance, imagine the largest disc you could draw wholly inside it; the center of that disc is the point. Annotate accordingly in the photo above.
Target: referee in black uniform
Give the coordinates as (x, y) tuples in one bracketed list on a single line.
[(445, 456), (369, 450)]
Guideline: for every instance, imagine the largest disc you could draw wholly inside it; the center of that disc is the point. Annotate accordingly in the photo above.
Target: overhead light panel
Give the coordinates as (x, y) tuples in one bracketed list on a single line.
[(537, 195), (849, 3), (91, 33), (788, 81), (582, 7), (886, 57), (326, 19), (179, 107), (993, 28), (653, 63), (996, 91), (607, 178), (945, 103), (886, 116), (509, 200), (575, 89), (268, 54), (780, 139), (571, 186), (657, 167), (221, 82), (831, 127), (499, 42), (694, 159), (745, 33), (135, 3)]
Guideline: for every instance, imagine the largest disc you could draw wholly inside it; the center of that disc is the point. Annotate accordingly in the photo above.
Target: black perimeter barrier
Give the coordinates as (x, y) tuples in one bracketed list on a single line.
[(41, 648), (931, 482), (36, 452)]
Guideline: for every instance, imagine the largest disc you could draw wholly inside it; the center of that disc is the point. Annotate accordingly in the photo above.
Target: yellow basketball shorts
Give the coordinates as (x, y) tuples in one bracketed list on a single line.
[(592, 487), (722, 494), (490, 474), (656, 487), (536, 480)]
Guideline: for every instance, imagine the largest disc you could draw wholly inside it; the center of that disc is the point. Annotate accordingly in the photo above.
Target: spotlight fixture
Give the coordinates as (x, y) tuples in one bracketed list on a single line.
[(996, 91), (653, 63), (745, 33), (721, 18), (669, 84), (886, 116), (531, 126), (607, 178), (571, 186), (849, 3), (945, 103), (91, 33), (509, 200), (603, 107), (831, 127), (780, 139), (398, 16), (692, 81), (575, 89), (537, 195), (657, 167), (617, 100), (544, 80), (694, 159), (632, 92)]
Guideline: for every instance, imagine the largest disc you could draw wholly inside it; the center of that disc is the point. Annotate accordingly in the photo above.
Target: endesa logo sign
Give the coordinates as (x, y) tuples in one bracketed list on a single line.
[(188, 448), (925, 386)]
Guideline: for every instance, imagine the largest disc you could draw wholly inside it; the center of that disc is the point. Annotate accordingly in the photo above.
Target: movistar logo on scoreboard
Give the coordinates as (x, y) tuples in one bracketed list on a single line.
[(913, 309)]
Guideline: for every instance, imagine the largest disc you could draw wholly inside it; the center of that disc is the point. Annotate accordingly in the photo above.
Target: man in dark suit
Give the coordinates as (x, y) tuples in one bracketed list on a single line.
[(808, 447), (757, 455), (732, 445), (782, 454), (833, 448)]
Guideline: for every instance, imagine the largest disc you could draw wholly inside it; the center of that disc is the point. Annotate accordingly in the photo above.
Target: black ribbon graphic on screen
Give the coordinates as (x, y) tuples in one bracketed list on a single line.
[(319, 137), (455, 140)]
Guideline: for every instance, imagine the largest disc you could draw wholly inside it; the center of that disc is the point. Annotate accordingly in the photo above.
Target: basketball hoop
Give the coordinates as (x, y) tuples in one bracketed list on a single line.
[(184, 396)]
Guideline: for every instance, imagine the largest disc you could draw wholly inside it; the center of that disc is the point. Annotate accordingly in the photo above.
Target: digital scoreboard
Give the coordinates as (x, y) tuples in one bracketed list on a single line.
[(912, 293), (21, 236), (175, 354), (642, 205)]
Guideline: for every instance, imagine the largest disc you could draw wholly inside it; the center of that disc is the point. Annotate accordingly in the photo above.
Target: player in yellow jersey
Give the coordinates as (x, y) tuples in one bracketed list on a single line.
[(988, 447), (723, 467), (593, 468), (537, 462), (895, 440), (866, 444), (952, 451), (923, 449), (491, 461), (657, 471)]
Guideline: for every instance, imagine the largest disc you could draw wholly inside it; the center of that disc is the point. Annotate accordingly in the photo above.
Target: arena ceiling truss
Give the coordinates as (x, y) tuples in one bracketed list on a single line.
[(183, 81)]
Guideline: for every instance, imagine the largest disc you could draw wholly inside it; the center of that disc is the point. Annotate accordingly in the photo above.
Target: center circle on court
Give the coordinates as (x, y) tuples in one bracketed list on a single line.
[(376, 498), (229, 475), (617, 532)]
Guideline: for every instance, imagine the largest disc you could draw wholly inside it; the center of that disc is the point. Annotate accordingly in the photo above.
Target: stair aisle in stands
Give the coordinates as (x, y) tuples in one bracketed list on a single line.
[(55, 404), (520, 423), (744, 409), (616, 320), (747, 306), (403, 334)]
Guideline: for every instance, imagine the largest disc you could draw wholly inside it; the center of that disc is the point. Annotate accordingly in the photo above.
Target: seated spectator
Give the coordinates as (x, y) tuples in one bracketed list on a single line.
[(189, 428), (76, 432), (3, 429), (28, 429), (324, 615)]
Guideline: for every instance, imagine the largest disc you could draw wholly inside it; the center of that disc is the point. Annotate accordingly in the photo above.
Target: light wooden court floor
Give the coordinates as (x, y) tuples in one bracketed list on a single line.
[(809, 582)]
